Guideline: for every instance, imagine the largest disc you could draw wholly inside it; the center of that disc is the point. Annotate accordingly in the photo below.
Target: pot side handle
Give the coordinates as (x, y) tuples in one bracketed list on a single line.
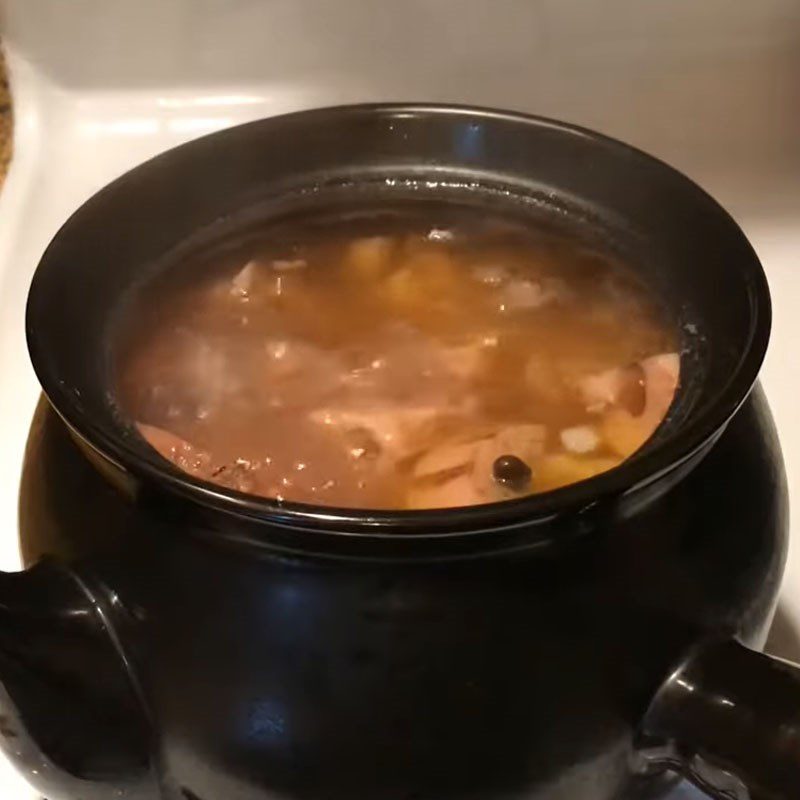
[(70, 717), (728, 719)]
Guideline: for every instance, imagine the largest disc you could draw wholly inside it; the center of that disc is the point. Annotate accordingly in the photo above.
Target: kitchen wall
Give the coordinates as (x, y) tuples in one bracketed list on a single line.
[(710, 86)]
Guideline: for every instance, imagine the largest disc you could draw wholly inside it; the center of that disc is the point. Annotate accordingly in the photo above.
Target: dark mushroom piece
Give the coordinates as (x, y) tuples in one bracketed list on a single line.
[(512, 472)]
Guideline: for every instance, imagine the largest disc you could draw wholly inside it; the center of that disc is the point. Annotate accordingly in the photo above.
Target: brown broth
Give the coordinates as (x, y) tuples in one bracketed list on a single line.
[(391, 370)]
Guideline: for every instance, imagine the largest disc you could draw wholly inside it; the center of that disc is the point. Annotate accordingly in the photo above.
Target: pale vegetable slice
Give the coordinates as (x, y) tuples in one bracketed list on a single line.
[(662, 373), (624, 432), (444, 458)]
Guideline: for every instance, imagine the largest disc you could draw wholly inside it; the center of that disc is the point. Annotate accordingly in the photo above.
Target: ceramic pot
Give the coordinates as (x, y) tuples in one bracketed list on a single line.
[(172, 640)]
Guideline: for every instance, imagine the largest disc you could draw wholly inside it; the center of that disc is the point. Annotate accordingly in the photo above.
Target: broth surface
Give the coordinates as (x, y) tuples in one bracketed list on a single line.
[(395, 363)]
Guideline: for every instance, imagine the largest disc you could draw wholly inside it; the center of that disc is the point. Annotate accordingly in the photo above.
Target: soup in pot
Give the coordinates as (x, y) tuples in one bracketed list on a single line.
[(400, 362)]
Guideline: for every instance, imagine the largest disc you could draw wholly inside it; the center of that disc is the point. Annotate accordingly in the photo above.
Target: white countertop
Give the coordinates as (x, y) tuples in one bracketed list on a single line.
[(100, 86)]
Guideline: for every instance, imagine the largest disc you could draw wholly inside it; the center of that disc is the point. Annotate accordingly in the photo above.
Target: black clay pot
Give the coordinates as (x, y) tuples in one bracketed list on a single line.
[(176, 641)]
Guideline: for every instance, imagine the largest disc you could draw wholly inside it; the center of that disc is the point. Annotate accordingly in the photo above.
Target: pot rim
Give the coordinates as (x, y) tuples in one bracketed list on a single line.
[(656, 459)]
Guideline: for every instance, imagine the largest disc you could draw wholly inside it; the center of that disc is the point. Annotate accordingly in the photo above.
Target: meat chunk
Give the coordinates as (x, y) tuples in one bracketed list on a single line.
[(293, 373), (404, 367), (522, 294), (618, 386), (393, 428)]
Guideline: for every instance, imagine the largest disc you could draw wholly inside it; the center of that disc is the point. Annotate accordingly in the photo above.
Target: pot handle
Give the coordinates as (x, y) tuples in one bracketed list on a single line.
[(728, 719), (70, 717)]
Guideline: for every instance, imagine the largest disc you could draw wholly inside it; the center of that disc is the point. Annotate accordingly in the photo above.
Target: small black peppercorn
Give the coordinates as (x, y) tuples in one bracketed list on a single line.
[(512, 472)]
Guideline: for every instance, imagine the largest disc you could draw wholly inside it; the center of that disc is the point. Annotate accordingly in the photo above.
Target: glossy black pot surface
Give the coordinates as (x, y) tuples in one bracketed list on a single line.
[(181, 641)]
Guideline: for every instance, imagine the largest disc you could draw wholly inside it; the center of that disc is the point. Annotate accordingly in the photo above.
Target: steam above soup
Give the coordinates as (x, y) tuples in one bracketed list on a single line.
[(395, 364)]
